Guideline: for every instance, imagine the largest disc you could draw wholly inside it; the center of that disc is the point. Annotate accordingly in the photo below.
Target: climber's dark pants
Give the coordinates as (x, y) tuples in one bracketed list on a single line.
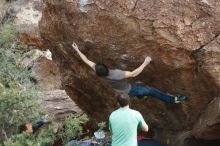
[(144, 91), (39, 124)]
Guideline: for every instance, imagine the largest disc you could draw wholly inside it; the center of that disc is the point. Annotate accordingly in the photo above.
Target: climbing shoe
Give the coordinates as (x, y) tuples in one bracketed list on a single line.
[(142, 97), (146, 97), (180, 98)]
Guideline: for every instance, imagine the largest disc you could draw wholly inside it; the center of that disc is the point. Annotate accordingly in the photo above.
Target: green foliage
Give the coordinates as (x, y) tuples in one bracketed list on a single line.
[(72, 128), (2, 90), (23, 139), (11, 73), (45, 137), (19, 104), (48, 135), (8, 35), (101, 125), (17, 107)]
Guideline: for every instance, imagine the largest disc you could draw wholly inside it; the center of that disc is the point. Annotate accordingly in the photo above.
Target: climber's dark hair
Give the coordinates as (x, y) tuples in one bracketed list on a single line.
[(123, 99), (101, 69), (22, 128)]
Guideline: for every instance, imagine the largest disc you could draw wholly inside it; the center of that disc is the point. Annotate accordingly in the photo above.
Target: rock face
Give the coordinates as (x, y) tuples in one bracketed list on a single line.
[(182, 37), (208, 126), (58, 104), (25, 14), (3, 7), (44, 71), (46, 74)]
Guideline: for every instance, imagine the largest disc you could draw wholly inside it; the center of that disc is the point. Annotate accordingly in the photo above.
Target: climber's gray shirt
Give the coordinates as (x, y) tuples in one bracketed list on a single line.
[(116, 78)]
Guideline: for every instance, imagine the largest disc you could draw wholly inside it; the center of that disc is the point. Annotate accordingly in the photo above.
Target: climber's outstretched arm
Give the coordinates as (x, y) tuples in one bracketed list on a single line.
[(137, 71), (82, 56)]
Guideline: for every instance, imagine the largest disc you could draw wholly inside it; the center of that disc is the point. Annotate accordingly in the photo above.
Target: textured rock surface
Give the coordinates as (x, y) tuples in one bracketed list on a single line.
[(208, 58), (3, 7), (59, 104), (25, 14), (180, 36), (46, 74), (43, 70), (47, 77), (208, 126)]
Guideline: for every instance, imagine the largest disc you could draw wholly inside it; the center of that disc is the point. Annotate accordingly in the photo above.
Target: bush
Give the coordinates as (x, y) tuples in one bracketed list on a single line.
[(19, 103), (9, 35), (11, 74), (23, 139), (45, 137), (16, 108), (1, 90), (101, 125), (72, 128)]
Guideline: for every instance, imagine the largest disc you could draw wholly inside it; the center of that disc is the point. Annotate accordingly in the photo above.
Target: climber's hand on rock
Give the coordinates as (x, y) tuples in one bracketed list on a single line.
[(75, 46), (147, 59)]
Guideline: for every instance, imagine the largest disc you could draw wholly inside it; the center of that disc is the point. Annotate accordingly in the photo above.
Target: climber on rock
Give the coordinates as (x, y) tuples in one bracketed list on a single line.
[(118, 80)]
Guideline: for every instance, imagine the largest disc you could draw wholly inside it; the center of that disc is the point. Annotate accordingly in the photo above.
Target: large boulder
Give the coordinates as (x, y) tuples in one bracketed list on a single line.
[(208, 126), (180, 36)]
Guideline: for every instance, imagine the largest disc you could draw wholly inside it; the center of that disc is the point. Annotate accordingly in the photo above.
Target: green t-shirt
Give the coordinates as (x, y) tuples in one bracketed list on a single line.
[(123, 124)]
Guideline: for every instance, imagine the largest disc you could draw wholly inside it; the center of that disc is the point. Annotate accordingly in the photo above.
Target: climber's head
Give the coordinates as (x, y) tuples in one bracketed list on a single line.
[(26, 128), (123, 100), (101, 70)]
